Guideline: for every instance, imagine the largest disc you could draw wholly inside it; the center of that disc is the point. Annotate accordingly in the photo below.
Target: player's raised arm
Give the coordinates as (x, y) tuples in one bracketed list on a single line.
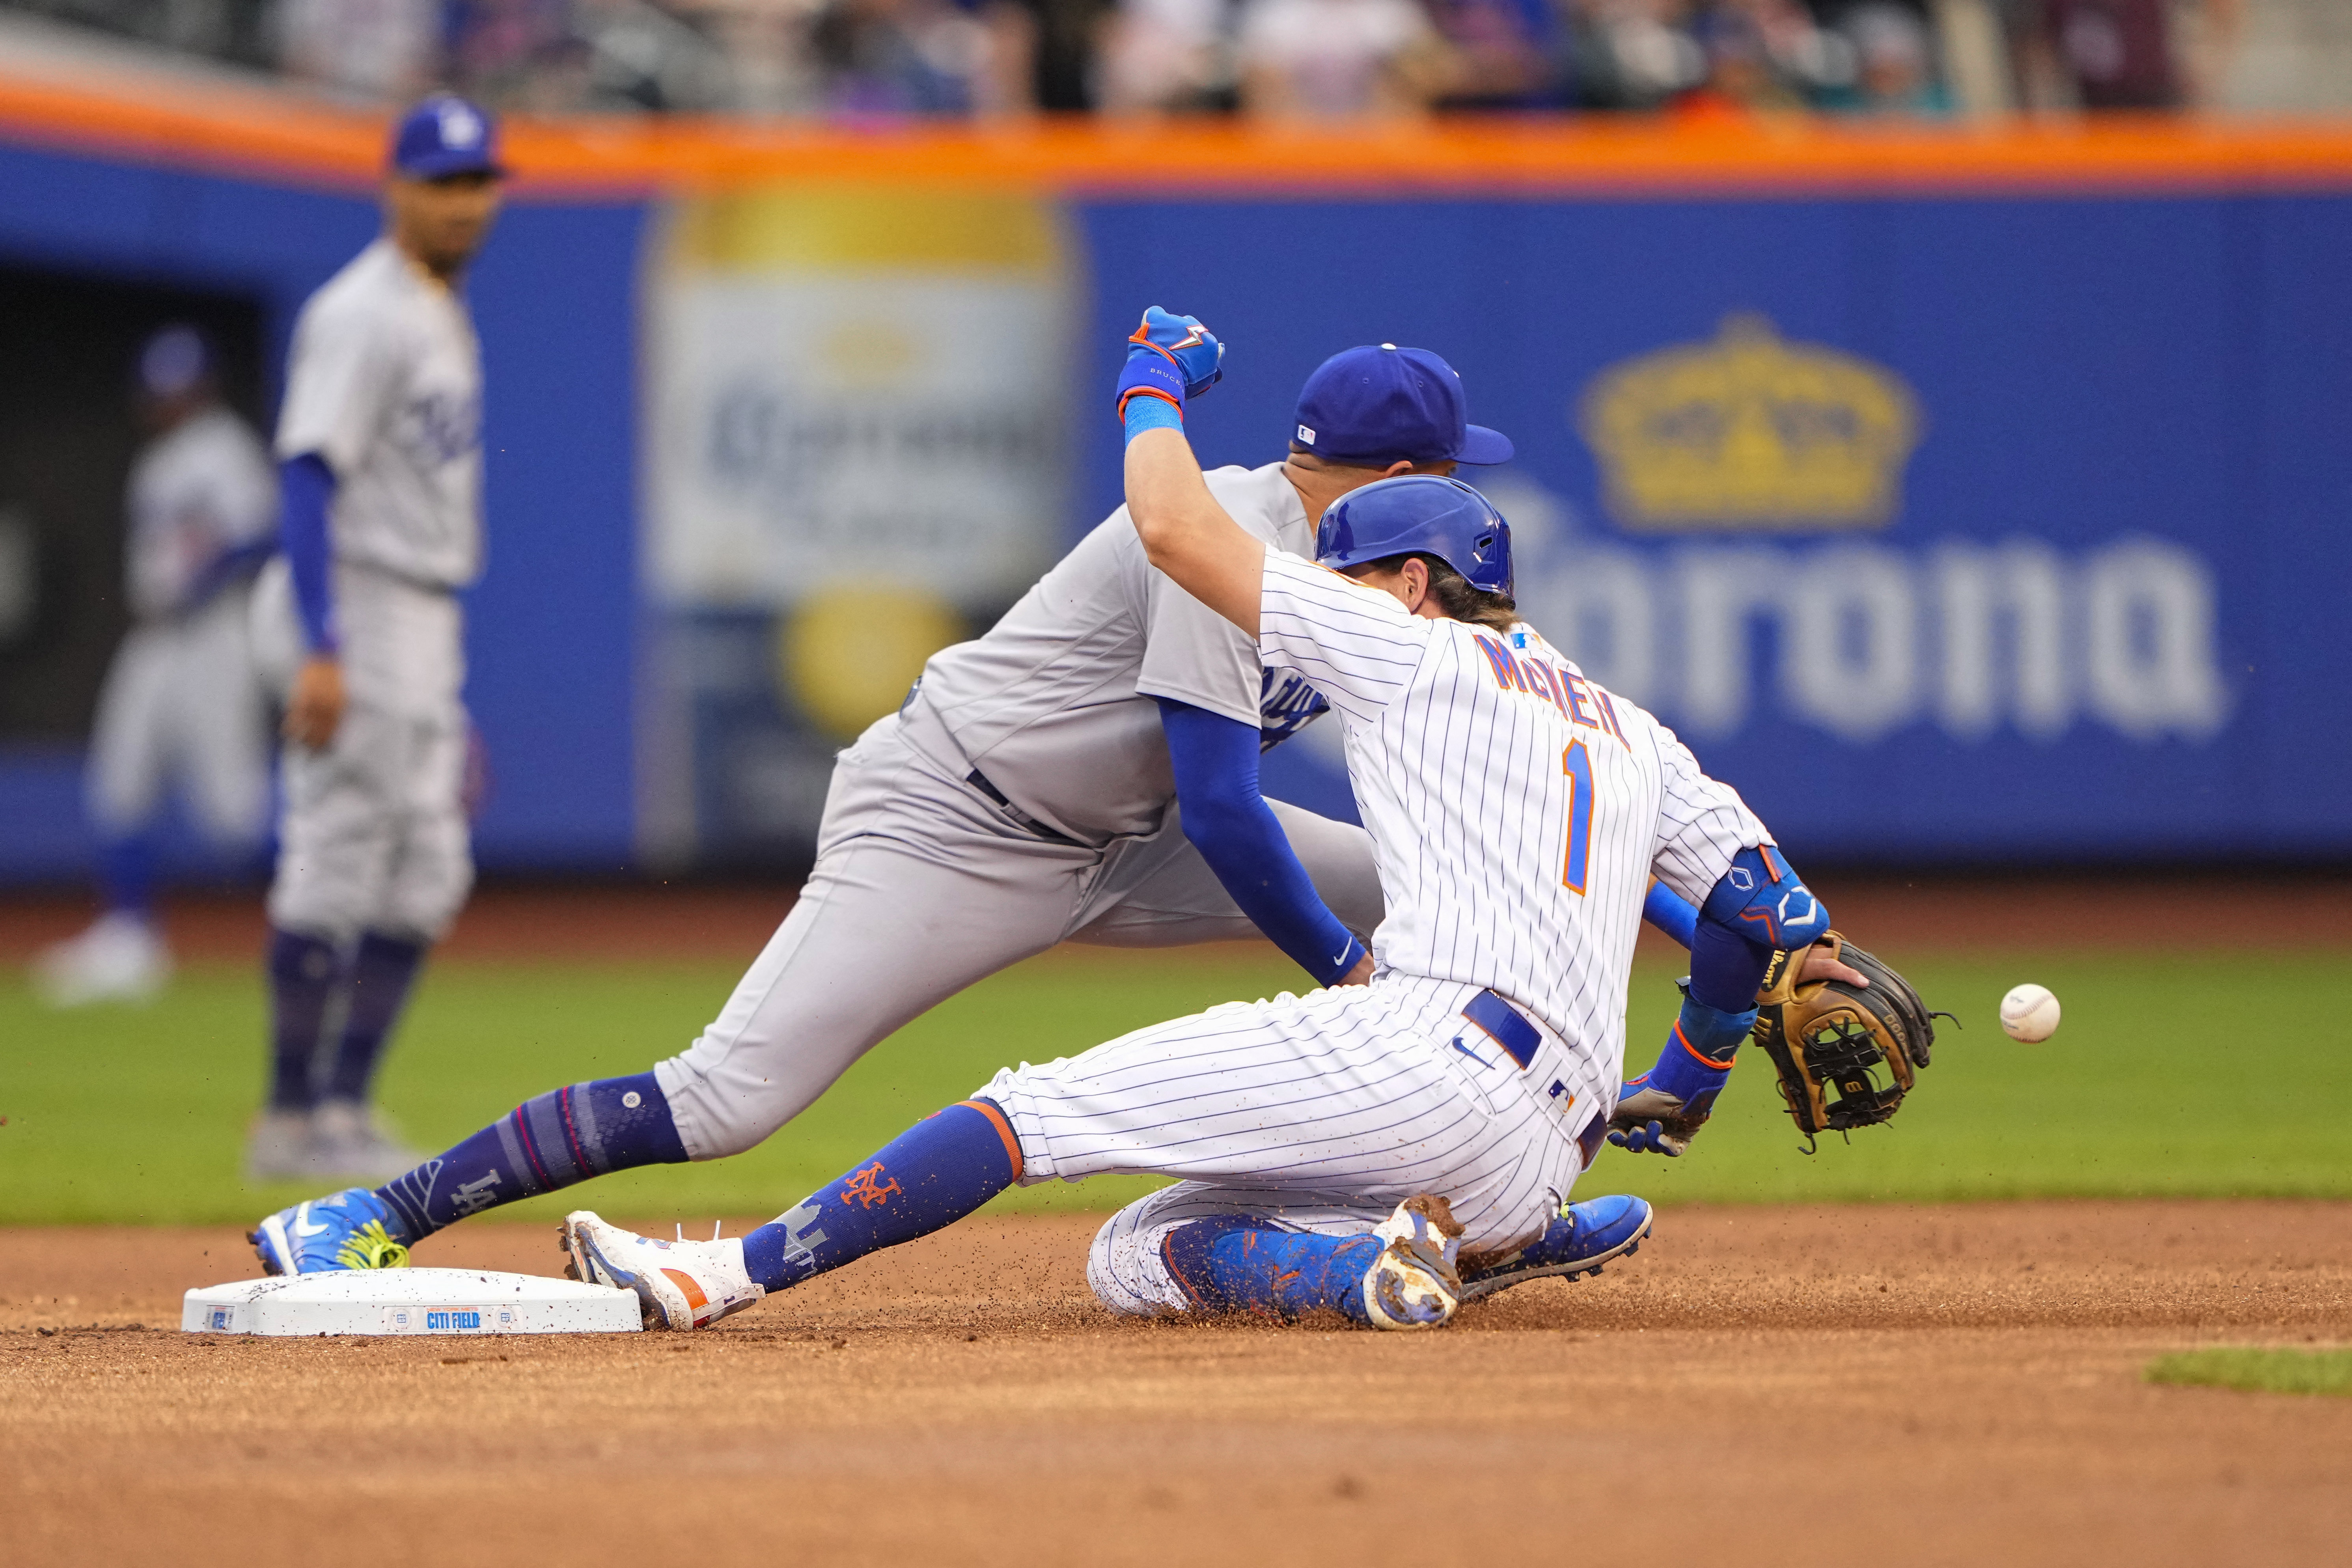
[(1185, 533)]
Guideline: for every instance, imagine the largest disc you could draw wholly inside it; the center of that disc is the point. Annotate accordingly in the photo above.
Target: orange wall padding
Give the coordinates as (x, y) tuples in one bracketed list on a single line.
[(279, 136)]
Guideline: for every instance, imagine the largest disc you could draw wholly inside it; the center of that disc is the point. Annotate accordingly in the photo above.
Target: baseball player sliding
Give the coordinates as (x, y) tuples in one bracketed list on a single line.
[(1086, 771), (1386, 1150), (1337, 1149), (182, 702), (381, 465)]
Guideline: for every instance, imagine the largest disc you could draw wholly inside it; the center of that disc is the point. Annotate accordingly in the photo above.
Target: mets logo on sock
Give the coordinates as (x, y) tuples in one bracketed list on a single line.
[(868, 1187)]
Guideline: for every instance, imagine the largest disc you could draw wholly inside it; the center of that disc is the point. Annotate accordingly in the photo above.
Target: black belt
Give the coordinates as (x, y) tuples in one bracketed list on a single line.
[(1509, 1028), (979, 781)]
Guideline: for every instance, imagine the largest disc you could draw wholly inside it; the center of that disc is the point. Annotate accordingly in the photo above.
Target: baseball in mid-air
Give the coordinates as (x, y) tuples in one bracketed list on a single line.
[(2029, 1013)]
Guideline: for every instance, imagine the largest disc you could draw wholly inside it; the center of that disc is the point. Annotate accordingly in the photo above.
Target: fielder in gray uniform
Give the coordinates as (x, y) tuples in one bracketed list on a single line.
[(1086, 771), (379, 443), (182, 704)]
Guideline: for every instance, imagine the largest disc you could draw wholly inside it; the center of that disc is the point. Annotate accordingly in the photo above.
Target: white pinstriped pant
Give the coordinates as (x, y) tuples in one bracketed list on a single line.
[(1316, 1113)]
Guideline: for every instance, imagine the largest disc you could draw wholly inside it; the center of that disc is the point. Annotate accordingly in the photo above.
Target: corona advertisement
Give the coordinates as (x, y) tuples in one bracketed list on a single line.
[(833, 491)]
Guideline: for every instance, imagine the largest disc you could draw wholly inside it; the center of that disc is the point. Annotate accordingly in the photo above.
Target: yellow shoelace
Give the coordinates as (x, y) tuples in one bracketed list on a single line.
[(372, 1247)]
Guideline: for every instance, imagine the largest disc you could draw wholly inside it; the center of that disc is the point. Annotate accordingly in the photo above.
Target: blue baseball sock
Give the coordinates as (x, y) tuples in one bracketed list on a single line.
[(380, 973), (1249, 1265), (126, 875), (302, 974), (542, 1144), (927, 1178)]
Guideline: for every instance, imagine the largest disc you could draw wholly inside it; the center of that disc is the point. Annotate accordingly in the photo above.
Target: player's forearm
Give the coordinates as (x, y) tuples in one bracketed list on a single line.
[(1186, 533), (307, 488), (1226, 818), (1757, 906)]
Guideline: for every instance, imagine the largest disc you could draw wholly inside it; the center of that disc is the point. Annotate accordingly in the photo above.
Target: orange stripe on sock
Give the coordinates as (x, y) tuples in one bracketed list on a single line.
[(684, 1281), (1003, 1131)]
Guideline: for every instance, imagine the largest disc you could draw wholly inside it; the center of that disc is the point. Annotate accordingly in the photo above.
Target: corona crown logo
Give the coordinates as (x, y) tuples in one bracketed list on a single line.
[(1752, 431)]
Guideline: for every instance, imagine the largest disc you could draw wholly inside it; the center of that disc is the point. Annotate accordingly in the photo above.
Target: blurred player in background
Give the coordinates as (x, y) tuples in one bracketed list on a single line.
[(380, 448), (182, 704)]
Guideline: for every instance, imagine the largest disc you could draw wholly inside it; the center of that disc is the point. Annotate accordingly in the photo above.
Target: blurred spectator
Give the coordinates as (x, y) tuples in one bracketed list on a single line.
[(2113, 54), (1769, 55), (373, 48), (925, 58), (1630, 53), (1893, 63), (1166, 56), (1334, 58), (501, 49), (634, 55), (1505, 52)]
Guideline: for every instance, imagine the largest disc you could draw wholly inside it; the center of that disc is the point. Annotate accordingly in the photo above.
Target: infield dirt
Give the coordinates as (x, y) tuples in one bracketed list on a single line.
[(1882, 1384)]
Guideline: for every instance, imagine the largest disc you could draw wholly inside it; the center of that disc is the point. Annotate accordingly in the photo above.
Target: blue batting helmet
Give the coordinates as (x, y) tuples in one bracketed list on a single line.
[(1418, 514)]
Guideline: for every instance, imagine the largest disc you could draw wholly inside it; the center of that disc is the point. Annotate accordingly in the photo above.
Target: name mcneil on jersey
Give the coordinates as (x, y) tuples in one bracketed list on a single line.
[(1579, 700)]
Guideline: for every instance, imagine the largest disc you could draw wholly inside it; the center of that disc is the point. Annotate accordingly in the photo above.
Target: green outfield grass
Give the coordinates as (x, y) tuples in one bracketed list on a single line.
[(2257, 1371), (2173, 1076)]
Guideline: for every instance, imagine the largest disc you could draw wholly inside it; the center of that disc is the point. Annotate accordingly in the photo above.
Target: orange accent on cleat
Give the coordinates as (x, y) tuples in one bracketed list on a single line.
[(685, 1281)]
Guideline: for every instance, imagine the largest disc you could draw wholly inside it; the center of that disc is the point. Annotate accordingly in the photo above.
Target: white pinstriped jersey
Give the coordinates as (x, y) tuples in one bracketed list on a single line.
[(1518, 811)]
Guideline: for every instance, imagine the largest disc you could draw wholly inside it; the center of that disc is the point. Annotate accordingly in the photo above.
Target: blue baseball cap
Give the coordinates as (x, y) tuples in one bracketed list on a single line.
[(174, 362), (1383, 402), (446, 135)]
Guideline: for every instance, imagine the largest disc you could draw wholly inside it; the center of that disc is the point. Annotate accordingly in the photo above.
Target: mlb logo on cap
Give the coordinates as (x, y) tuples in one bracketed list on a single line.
[(445, 136)]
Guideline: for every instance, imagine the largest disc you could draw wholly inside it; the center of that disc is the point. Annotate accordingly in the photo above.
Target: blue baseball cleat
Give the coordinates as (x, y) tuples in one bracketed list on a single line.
[(1583, 1238), (346, 1230)]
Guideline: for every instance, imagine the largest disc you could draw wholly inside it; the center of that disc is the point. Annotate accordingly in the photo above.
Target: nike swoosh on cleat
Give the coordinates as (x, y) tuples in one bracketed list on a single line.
[(302, 1226)]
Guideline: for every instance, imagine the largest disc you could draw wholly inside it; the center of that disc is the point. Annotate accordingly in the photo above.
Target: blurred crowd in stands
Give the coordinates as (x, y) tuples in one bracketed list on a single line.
[(855, 60)]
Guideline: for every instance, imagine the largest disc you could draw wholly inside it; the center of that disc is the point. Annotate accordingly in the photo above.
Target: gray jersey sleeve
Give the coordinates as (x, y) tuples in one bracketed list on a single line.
[(1191, 654), (343, 376)]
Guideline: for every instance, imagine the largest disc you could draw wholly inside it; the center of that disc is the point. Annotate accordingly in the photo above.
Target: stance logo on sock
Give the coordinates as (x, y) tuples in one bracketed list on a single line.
[(475, 1195), (867, 1187)]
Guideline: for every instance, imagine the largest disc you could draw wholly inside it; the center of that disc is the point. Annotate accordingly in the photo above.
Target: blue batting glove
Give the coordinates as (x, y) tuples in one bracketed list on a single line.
[(1650, 1137), (1172, 358), (1662, 1111)]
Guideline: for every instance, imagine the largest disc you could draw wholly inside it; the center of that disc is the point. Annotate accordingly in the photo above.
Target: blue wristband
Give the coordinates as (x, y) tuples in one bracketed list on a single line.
[(1146, 413)]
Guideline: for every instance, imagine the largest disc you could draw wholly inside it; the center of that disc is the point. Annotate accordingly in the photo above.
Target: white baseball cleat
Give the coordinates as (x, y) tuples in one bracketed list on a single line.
[(281, 1149), (679, 1284), (1414, 1283), (120, 958)]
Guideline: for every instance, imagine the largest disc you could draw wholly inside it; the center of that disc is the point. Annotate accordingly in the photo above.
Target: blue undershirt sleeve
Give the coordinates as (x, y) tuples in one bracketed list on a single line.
[(1668, 911), (306, 486), (1228, 820), (228, 566)]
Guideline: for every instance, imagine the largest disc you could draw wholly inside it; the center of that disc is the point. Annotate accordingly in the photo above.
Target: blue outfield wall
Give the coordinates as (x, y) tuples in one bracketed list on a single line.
[(2101, 612)]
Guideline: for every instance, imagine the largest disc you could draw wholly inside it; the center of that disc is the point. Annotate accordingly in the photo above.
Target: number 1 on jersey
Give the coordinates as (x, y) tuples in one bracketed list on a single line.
[(1578, 766)]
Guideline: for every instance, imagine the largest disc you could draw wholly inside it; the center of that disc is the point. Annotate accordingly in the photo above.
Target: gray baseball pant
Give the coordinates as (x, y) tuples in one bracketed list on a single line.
[(923, 886)]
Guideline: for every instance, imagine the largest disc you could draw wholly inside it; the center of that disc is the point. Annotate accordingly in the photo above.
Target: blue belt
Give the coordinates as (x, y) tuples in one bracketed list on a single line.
[(1504, 1022)]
